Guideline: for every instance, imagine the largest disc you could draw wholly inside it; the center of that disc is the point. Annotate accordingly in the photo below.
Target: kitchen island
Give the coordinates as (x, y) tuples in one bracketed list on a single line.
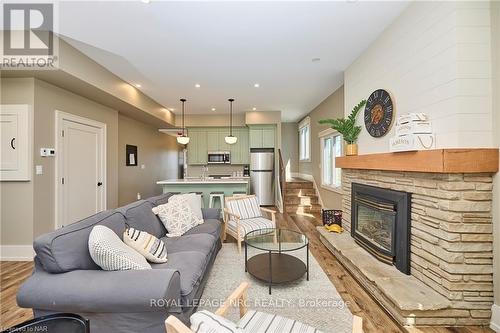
[(206, 186)]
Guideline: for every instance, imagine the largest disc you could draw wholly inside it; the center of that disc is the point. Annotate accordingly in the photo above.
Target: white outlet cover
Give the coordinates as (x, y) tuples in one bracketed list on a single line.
[(143, 166)]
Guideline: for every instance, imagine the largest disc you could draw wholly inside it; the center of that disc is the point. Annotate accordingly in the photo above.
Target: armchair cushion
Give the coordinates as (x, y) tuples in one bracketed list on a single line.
[(245, 208), (255, 321), (208, 322), (248, 225)]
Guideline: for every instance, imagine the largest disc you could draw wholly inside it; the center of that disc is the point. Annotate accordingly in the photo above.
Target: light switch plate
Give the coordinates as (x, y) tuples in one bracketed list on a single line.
[(39, 169)]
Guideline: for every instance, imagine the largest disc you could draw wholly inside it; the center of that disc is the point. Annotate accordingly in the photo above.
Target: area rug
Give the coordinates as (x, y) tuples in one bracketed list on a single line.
[(315, 302)]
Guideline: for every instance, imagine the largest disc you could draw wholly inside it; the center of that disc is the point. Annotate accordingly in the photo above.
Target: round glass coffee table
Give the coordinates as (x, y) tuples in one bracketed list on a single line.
[(274, 266)]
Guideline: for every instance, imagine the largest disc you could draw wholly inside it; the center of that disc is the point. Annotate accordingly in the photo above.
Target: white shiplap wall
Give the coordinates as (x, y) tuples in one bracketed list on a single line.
[(435, 58)]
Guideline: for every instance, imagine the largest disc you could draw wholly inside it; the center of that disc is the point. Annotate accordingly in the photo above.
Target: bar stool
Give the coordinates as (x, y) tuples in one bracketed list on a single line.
[(239, 193), (201, 196), (216, 195)]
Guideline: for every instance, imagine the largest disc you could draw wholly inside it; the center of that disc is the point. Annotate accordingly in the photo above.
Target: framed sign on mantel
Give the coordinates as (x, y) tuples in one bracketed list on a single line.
[(130, 155)]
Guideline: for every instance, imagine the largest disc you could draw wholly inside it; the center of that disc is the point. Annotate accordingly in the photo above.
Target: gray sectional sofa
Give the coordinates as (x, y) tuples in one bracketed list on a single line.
[(66, 279)]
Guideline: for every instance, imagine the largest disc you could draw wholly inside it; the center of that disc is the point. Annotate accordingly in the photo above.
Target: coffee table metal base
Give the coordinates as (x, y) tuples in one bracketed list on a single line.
[(275, 268)]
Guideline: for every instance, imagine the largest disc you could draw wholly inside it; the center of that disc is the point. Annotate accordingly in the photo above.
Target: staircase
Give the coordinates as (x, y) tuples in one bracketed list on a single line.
[(300, 198)]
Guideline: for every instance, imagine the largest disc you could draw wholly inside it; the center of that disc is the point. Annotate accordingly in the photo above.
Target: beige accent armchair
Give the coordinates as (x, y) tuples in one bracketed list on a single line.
[(237, 227), (239, 297)]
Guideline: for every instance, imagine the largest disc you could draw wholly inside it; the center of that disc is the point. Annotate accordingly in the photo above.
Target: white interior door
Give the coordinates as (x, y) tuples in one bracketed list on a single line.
[(81, 169)]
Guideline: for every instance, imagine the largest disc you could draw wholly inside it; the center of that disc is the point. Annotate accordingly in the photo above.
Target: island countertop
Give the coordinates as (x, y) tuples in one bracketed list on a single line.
[(202, 181)]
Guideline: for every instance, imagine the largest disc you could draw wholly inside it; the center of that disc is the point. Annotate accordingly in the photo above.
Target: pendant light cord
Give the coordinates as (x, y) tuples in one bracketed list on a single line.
[(183, 128), (231, 100)]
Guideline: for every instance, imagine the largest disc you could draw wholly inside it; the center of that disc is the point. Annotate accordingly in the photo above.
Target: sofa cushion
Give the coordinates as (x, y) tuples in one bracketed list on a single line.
[(210, 226), (139, 215), (159, 199), (66, 249), (197, 242), (191, 266)]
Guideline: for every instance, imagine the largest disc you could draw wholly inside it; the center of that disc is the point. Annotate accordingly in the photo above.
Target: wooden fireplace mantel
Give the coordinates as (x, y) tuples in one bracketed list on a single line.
[(474, 160)]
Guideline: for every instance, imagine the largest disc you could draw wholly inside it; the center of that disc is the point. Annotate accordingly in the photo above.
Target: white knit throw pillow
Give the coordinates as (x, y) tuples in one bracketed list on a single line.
[(177, 216), (152, 248), (111, 254)]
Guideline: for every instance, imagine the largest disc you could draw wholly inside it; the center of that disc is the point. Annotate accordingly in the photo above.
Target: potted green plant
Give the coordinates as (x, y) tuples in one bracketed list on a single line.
[(347, 127)]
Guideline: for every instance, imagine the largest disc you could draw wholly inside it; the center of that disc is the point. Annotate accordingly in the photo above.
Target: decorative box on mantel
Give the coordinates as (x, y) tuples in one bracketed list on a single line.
[(450, 234)]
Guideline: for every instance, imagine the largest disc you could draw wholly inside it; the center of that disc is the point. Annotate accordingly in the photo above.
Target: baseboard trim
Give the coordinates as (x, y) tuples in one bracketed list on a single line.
[(495, 318), (16, 253)]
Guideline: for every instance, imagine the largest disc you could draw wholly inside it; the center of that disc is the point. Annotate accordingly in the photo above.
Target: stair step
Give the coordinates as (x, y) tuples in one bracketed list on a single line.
[(301, 200), (303, 209), (300, 185), (298, 191)]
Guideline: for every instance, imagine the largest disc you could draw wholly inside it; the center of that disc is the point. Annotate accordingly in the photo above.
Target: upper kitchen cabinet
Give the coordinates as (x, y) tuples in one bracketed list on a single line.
[(206, 139), (16, 136), (197, 147), (240, 151), (263, 136)]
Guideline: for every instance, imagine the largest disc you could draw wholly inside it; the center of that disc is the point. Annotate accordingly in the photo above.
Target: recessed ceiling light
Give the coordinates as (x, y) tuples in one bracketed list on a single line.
[(213, 109), (256, 85), (137, 85), (316, 59), (197, 85), (145, 1), (254, 108)]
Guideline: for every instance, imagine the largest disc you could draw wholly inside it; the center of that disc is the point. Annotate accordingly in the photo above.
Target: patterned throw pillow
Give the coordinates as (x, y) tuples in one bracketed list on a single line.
[(111, 254), (177, 217), (207, 322), (194, 201), (152, 248)]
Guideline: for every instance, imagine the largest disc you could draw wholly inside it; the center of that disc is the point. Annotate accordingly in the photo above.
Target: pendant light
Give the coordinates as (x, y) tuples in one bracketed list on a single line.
[(231, 140), (183, 139)]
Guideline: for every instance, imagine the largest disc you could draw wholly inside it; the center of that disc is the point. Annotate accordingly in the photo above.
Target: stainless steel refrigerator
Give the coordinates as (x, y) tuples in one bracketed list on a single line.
[(262, 175)]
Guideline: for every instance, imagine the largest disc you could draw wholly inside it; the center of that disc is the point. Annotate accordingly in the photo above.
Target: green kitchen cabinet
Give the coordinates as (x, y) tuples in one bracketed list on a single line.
[(268, 138), (223, 146), (197, 147), (240, 151), (205, 139), (212, 140), (262, 136)]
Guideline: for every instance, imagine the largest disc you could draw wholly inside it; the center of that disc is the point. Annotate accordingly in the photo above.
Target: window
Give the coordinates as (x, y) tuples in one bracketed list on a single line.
[(305, 140), (331, 147)]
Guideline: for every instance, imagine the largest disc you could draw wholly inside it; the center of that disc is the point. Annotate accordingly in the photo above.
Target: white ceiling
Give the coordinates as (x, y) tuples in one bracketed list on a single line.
[(226, 47)]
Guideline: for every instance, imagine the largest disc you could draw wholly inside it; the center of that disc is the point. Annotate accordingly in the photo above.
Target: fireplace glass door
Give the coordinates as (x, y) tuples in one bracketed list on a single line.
[(376, 226)]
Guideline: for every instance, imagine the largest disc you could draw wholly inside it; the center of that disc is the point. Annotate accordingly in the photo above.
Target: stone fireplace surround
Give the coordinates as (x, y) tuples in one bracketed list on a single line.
[(451, 282)]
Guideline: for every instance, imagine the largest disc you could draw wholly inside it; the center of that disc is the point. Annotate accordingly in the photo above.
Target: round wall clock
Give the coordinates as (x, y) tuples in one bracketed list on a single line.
[(379, 112)]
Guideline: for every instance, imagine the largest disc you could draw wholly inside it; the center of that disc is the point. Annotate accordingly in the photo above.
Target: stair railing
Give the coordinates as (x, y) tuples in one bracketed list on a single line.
[(282, 179)]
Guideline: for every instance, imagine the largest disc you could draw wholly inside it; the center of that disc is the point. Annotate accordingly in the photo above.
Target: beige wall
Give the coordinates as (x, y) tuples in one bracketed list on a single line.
[(215, 120), (434, 58), (331, 107), (27, 208), (157, 152), (48, 99), (16, 198), (495, 33), (290, 147)]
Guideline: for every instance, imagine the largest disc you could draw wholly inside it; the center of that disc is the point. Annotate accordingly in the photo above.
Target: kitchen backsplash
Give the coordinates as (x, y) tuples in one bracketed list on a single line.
[(196, 170)]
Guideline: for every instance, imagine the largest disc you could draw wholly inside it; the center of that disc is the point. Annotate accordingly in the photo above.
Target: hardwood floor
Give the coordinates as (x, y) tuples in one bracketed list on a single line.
[(375, 319), (12, 274)]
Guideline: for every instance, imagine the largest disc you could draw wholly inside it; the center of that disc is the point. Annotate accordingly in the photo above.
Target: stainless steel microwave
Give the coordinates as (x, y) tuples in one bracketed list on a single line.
[(219, 157)]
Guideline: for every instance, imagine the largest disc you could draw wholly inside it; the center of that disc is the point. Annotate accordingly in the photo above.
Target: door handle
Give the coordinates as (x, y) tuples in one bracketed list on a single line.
[(12, 143), (99, 184)]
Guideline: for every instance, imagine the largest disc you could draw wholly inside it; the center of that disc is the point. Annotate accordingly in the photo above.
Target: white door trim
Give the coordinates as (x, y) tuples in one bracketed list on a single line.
[(60, 117)]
